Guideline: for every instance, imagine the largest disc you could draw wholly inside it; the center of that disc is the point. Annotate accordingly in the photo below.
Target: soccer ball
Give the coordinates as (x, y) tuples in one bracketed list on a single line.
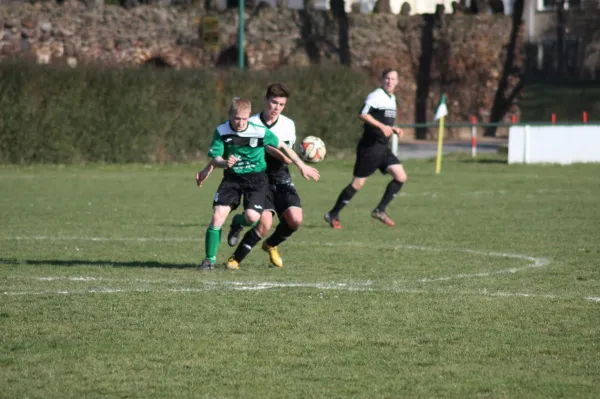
[(312, 149)]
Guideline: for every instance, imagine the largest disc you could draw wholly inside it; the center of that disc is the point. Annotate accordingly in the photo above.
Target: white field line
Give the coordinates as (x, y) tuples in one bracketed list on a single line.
[(366, 286), (593, 298), (533, 261)]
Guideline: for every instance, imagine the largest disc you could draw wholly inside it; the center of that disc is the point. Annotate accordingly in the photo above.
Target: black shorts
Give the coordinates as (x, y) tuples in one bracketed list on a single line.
[(370, 157), (252, 186), (281, 197)]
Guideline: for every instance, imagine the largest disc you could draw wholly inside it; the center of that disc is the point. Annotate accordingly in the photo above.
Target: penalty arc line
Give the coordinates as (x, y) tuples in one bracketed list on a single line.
[(534, 262)]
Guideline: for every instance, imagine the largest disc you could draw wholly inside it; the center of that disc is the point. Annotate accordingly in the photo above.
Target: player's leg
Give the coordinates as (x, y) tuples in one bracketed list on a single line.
[(289, 223), (226, 199), (254, 200), (240, 221), (367, 161), (392, 166), (289, 210)]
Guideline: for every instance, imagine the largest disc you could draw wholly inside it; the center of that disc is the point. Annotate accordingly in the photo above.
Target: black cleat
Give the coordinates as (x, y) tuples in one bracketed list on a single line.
[(234, 234), (206, 265), (333, 220)]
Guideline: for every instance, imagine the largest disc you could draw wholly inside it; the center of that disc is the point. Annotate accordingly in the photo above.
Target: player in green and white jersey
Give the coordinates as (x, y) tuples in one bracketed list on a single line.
[(238, 146), (282, 197)]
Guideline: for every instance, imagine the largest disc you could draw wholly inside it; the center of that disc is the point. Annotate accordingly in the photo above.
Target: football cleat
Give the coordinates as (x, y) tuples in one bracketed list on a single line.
[(232, 264), (234, 234), (273, 254), (382, 217), (206, 265), (333, 221)]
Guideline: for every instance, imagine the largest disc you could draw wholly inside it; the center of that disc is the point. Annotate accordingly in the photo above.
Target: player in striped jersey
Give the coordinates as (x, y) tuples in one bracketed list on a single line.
[(238, 146), (282, 197), (372, 153)]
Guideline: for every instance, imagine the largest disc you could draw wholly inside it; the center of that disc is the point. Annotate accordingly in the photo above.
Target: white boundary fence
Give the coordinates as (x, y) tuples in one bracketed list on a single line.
[(554, 144)]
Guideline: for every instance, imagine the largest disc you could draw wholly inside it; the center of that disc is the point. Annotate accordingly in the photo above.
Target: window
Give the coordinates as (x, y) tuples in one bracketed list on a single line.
[(547, 5), (550, 5)]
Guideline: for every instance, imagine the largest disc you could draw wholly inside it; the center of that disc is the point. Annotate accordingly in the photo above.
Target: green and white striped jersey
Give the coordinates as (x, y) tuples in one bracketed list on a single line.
[(248, 146)]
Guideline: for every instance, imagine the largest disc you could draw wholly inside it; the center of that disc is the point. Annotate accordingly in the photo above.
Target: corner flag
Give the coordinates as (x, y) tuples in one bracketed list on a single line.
[(440, 113), (442, 109)]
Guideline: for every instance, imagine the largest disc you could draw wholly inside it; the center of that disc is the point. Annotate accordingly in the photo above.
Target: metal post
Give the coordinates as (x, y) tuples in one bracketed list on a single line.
[(241, 35), (473, 137), (526, 139), (395, 144)]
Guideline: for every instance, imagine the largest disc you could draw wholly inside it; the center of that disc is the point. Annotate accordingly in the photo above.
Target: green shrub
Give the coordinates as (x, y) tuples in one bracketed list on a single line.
[(54, 114)]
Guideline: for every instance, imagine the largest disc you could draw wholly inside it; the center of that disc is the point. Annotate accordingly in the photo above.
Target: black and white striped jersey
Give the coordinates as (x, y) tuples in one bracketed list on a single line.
[(285, 129), (382, 107)]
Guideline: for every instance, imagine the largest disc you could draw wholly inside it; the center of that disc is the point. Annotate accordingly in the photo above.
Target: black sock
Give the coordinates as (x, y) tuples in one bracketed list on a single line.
[(281, 233), (250, 239), (390, 192), (345, 197)]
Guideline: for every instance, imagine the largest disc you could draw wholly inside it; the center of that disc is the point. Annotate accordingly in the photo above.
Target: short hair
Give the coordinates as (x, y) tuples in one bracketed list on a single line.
[(239, 104), (386, 71), (277, 90)]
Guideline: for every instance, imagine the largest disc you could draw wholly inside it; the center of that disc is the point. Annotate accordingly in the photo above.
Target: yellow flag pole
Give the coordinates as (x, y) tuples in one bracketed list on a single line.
[(438, 165)]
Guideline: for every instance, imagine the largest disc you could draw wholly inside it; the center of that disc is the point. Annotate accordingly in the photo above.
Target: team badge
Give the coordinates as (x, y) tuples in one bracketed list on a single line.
[(253, 142)]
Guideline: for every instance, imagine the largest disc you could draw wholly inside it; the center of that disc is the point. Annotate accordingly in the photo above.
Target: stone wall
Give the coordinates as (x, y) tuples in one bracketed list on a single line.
[(460, 54)]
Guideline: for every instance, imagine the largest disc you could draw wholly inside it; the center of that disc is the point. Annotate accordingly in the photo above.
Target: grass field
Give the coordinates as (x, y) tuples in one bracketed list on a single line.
[(489, 286)]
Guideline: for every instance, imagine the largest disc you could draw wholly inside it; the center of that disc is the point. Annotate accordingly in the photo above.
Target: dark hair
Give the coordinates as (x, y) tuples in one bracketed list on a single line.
[(277, 90), (385, 72)]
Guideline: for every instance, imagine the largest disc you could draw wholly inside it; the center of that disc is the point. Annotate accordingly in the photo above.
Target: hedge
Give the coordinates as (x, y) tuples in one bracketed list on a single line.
[(55, 114)]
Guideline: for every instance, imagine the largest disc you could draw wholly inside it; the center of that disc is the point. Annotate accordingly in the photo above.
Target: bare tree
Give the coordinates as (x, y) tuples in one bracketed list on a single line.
[(504, 98), (339, 11)]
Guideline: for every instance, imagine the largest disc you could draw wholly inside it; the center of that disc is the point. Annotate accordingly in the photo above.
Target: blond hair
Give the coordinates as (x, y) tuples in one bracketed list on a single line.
[(239, 104)]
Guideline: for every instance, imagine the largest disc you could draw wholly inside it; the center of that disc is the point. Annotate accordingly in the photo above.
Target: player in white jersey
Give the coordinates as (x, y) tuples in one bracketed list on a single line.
[(238, 147), (372, 152), (282, 197)]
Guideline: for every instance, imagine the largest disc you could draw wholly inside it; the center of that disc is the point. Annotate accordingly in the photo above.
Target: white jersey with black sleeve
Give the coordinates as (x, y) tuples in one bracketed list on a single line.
[(381, 106), (285, 130)]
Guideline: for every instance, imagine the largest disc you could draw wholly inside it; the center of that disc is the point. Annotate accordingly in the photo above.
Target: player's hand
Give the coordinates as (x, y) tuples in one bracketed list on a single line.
[(201, 176), (310, 173), (398, 131), (231, 161), (387, 130)]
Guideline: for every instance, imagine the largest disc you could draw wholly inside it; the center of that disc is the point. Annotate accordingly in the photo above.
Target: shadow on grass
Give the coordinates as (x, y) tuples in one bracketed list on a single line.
[(484, 161), (183, 225), (83, 262)]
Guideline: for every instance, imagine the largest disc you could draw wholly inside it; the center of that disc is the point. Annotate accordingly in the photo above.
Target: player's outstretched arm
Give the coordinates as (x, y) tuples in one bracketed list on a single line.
[(274, 152), (204, 173), (307, 171)]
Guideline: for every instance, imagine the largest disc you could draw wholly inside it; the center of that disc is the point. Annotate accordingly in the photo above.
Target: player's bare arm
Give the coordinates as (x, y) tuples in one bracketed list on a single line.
[(307, 171), (398, 131), (387, 130), (274, 152), (219, 162), (204, 173)]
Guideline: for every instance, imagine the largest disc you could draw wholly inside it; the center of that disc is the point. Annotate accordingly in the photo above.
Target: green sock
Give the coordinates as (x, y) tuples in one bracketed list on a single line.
[(240, 220), (212, 241)]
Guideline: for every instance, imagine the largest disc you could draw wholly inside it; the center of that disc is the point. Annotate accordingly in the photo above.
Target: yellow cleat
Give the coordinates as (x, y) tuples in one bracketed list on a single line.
[(273, 255), (232, 264)]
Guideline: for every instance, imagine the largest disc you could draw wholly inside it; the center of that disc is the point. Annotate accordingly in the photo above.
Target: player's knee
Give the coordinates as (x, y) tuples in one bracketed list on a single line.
[(358, 184), (262, 229), (264, 225), (399, 175), (294, 222), (252, 217), (219, 217)]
